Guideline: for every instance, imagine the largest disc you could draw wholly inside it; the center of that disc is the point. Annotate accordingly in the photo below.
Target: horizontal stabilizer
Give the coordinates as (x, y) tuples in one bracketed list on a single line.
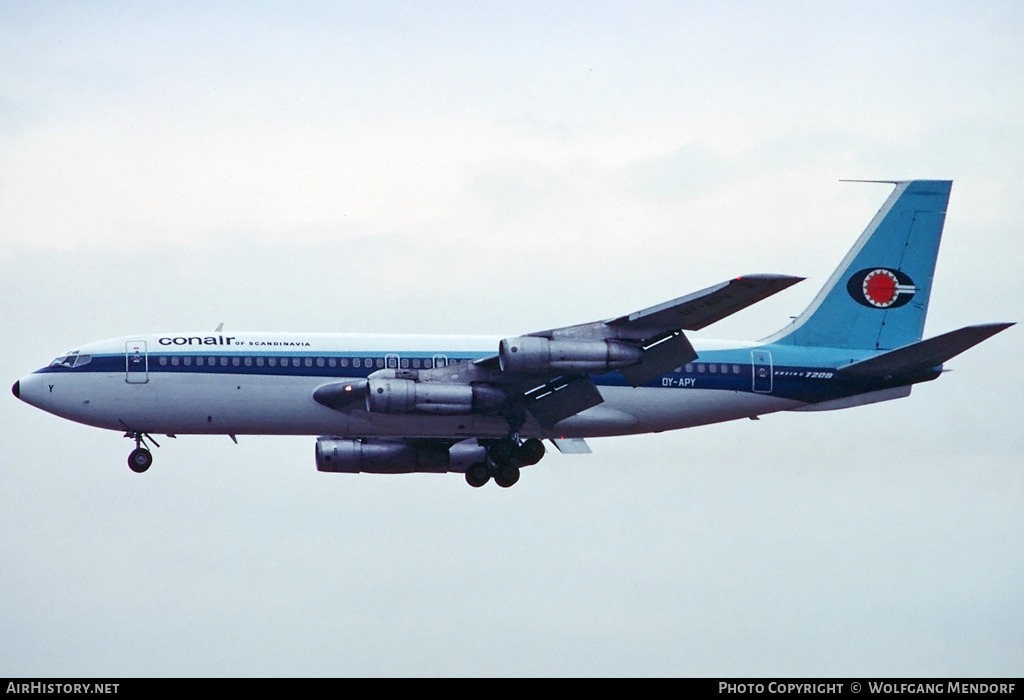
[(924, 354), (700, 309)]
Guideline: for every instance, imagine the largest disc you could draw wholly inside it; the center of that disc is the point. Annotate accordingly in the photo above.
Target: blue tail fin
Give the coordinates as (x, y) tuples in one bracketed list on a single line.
[(878, 296)]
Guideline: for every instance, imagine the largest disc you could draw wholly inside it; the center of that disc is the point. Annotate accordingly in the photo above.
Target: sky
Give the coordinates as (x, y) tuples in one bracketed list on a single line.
[(499, 168)]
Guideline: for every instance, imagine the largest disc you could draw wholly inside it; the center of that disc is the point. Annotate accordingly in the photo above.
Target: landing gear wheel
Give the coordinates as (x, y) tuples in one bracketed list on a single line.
[(140, 459), (477, 475), (505, 476), (503, 451), (531, 451)]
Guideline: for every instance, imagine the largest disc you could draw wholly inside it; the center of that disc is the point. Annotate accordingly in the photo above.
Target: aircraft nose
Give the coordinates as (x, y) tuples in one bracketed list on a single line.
[(16, 389)]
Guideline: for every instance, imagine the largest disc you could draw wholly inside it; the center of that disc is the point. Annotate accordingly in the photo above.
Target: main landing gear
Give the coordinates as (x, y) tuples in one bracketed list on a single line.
[(504, 458), (140, 459)]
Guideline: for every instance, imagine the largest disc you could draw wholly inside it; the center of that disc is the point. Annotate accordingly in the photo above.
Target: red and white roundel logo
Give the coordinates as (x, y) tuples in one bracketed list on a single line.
[(881, 288)]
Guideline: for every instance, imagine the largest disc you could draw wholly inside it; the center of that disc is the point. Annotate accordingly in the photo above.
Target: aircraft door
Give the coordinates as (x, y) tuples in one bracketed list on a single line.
[(136, 362), (440, 361), (761, 366), (391, 361)]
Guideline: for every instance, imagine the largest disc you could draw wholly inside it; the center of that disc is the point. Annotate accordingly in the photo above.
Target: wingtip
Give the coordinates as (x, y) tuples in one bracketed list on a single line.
[(990, 329), (785, 280)]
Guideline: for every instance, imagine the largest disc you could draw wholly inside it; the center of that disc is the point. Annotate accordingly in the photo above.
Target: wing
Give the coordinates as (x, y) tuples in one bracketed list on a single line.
[(641, 346), (700, 309), (547, 374), (658, 330)]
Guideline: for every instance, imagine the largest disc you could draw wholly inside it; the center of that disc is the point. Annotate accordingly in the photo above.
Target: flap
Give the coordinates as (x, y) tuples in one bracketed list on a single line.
[(571, 446), (561, 398), (663, 356)]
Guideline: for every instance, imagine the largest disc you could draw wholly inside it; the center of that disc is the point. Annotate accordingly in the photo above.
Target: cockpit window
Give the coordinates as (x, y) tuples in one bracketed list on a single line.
[(65, 360), (71, 360)]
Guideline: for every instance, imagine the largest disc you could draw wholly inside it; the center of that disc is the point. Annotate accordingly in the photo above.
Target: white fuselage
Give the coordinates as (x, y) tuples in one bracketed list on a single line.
[(263, 383)]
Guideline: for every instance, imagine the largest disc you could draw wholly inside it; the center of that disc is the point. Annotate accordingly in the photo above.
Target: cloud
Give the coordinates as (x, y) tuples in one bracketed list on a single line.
[(469, 168)]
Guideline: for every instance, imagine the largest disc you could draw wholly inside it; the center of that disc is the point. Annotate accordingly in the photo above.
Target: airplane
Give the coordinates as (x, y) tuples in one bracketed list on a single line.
[(482, 406)]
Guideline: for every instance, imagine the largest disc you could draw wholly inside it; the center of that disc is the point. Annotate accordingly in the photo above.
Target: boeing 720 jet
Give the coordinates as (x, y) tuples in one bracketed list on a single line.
[(483, 406)]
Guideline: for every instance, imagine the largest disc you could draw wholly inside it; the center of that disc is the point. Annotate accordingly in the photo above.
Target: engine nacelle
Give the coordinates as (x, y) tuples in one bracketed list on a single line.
[(378, 457), (530, 355), (383, 457), (408, 396)]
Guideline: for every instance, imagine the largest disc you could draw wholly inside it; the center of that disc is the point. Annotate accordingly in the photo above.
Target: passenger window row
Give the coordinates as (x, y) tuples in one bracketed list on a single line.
[(390, 361), (273, 361), (702, 367)]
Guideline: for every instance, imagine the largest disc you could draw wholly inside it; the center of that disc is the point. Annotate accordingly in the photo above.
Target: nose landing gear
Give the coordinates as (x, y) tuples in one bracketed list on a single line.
[(140, 459)]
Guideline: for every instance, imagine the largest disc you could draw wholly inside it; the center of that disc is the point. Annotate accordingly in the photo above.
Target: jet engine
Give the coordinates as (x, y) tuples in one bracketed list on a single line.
[(407, 396), (531, 355), (392, 457)]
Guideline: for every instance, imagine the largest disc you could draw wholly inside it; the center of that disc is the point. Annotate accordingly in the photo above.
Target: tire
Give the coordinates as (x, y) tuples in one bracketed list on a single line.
[(531, 451), (506, 476), (140, 460), (503, 452), (477, 475)]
